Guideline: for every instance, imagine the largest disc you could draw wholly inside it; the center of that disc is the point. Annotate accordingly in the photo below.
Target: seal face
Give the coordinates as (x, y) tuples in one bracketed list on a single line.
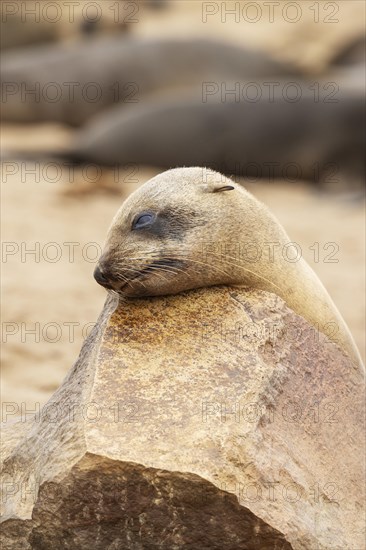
[(154, 246)]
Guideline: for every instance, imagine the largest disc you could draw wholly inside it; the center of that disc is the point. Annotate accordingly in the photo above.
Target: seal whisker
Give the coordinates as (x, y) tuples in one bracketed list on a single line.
[(140, 272), (189, 260), (176, 270), (233, 265), (171, 271)]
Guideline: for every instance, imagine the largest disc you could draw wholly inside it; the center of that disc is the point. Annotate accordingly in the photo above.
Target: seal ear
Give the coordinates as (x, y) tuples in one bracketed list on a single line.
[(224, 188), (217, 188)]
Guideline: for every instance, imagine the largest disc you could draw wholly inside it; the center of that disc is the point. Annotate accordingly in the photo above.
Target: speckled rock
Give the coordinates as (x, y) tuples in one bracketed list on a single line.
[(216, 419)]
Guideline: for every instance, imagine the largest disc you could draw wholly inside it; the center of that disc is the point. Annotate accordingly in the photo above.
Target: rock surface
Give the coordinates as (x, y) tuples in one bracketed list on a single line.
[(213, 419)]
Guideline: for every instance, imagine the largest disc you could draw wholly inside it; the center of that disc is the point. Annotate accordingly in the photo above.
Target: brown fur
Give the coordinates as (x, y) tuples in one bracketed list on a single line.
[(211, 231)]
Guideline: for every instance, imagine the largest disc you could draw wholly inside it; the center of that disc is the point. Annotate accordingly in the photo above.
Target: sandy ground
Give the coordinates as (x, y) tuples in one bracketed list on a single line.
[(52, 299)]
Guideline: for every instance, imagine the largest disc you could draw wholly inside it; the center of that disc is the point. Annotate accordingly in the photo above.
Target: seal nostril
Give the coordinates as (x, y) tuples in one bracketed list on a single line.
[(100, 277), (104, 278)]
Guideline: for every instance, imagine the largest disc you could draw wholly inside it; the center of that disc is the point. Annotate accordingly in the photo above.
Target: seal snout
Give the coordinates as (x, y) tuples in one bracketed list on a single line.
[(103, 277)]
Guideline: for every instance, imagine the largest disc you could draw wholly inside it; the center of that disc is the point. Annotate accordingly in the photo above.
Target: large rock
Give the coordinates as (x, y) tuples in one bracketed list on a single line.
[(216, 419)]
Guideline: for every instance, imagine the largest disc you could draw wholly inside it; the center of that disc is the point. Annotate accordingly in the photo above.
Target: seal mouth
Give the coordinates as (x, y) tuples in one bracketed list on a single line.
[(154, 268)]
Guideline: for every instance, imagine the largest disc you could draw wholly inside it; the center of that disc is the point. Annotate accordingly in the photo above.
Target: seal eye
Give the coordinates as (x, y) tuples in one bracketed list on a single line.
[(143, 220)]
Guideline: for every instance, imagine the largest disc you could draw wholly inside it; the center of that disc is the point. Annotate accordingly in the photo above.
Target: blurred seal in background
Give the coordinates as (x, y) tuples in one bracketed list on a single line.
[(71, 82), (316, 141)]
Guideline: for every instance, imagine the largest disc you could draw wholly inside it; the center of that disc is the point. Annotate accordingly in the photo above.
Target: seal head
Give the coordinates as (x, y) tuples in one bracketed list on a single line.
[(157, 240)]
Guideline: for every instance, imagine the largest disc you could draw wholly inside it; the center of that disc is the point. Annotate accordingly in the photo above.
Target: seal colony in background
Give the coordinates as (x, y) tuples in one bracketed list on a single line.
[(71, 82), (181, 230)]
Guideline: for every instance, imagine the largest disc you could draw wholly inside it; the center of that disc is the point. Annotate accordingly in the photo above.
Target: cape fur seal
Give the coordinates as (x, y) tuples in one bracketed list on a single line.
[(305, 140), (71, 82), (191, 227)]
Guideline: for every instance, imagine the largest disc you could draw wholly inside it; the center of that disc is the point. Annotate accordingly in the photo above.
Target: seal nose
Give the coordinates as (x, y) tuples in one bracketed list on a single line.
[(102, 278)]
